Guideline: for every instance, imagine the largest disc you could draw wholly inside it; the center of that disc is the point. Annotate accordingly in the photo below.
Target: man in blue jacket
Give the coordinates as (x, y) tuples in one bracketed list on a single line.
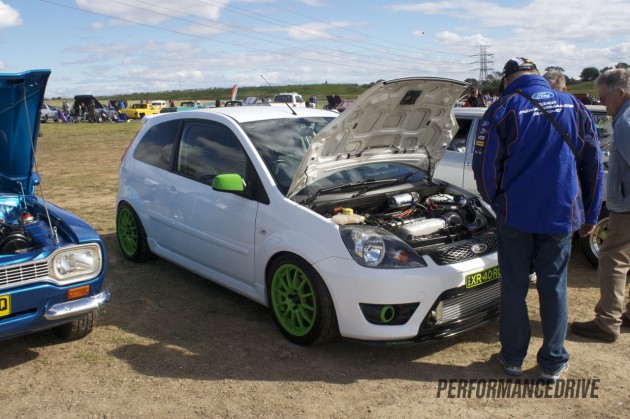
[(613, 87), (537, 163)]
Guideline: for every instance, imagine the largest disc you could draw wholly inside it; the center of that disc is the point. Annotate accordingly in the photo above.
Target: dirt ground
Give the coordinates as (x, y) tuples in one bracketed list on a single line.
[(171, 344)]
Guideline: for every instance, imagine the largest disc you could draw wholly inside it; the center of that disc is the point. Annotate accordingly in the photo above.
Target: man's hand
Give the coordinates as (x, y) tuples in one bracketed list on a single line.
[(586, 229)]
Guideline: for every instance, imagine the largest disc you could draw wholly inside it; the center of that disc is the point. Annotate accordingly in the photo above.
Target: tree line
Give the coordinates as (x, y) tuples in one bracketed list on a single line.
[(491, 84)]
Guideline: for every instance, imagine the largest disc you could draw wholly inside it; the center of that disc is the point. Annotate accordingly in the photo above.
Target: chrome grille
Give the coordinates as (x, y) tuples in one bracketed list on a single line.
[(470, 302), (15, 275), (462, 250)]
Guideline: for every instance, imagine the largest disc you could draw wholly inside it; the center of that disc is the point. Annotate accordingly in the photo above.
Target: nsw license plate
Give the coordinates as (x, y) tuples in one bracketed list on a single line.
[(5, 305), (483, 277)]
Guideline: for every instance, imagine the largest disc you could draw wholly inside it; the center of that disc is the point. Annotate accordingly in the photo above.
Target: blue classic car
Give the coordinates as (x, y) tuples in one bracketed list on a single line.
[(52, 263)]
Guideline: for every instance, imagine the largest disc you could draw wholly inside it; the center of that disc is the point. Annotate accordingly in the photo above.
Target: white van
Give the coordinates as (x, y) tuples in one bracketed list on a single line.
[(159, 103)]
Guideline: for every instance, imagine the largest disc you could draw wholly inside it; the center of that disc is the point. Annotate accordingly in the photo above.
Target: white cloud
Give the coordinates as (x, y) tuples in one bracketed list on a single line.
[(562, 20), (310, 31), (569, 33), (154, 12), (314, 3), (9, 16), (448, 37)]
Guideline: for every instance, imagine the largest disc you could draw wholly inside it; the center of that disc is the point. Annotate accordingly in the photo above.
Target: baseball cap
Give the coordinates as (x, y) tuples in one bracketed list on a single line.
[(518, 64), (513, 65)]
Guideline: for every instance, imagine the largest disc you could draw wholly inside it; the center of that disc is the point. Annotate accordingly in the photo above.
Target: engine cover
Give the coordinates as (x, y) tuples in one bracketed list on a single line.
[(421, 227)]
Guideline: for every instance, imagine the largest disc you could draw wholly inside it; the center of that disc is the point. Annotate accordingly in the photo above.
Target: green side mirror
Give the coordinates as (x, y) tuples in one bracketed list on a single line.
[(229, 182)]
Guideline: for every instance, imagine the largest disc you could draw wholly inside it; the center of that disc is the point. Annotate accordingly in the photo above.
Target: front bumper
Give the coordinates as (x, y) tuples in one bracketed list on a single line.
[(444, 306), (77, 307)]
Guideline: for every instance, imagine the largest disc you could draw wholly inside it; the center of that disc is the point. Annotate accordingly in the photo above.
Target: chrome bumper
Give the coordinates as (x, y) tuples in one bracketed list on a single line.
[(77, 307)]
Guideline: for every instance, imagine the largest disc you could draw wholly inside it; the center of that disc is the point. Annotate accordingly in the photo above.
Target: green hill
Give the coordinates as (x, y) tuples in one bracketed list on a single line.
[(346, 91), (583, 87)]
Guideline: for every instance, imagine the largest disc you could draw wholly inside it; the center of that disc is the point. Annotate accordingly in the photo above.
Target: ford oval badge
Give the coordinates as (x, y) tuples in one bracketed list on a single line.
[(478, 248), (543, 95)]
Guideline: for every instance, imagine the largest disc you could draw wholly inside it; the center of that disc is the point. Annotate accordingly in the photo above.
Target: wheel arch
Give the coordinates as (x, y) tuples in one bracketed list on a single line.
[(326, 326)]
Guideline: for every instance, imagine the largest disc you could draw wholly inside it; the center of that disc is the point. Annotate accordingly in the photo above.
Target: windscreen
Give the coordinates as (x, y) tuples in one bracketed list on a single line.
[(282, 144)]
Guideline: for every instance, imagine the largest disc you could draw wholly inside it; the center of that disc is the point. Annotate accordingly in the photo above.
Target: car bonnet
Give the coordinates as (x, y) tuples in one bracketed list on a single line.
[(406, 120), (21, 99)]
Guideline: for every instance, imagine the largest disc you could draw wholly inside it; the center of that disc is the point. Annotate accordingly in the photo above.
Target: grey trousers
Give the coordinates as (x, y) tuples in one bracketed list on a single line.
[(614, 264)]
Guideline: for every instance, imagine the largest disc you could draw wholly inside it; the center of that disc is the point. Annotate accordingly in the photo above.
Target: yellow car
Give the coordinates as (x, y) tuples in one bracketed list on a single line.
[(139, 110)]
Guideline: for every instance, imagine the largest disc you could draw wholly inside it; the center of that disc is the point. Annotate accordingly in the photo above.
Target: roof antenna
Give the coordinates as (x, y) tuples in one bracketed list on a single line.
[(289, 106)]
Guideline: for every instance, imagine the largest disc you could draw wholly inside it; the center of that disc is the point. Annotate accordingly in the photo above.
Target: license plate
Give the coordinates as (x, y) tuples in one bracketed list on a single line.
[(483, 277), (5, 305)]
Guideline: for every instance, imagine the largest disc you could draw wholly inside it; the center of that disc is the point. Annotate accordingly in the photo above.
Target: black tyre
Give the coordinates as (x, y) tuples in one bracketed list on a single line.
[(300, 303), (131, 236), (592, 243), (76, 329)]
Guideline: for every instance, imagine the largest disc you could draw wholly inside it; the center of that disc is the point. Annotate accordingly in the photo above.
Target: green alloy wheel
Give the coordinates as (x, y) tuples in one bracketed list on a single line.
[(300, 302), (131, 236)]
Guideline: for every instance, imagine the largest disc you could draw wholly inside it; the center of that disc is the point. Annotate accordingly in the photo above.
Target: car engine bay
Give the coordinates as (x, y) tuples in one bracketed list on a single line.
[(426, 218), (22, 229)]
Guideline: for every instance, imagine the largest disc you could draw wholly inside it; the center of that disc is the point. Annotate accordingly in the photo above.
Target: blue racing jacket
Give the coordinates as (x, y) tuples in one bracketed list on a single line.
[(525, 170)]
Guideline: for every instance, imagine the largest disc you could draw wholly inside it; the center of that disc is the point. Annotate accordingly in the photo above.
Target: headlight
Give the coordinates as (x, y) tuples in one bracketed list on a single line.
[(76, 263), (377, 248)]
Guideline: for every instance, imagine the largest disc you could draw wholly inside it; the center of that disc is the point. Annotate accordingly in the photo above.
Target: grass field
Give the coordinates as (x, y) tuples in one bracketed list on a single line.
[(96, 150)]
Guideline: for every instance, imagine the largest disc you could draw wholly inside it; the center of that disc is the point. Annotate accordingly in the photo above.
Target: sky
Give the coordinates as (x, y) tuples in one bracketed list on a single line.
[(113, 47)]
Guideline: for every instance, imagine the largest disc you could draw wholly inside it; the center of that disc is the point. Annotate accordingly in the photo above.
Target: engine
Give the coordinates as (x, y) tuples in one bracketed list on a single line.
[(422, 222), (15, 237)]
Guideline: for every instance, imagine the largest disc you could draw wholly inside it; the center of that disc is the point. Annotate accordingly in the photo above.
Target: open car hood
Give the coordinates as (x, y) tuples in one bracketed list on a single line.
[(21, 98), (404, 120)]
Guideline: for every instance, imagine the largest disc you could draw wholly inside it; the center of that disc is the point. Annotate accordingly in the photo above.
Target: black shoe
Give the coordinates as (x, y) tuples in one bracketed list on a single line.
[(592, 330), (625, 322)]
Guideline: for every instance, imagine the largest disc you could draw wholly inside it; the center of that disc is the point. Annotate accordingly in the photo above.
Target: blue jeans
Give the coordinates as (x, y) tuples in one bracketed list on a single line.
[(550, 255)]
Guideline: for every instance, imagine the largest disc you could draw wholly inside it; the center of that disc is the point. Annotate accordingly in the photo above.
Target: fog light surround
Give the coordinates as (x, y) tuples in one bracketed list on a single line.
[(388, 314)]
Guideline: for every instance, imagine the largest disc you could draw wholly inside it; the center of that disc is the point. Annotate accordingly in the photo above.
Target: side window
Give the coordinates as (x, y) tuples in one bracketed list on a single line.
[(207, 150), (459, 140), (156, 147)]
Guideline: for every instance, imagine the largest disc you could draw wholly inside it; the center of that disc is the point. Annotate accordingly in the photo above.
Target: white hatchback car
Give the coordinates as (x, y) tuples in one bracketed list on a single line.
[(333, 221), (456, 165)]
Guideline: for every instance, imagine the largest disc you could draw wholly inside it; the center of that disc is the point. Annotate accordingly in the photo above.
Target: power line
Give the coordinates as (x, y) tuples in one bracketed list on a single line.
[(388, 43), (280, 53)]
